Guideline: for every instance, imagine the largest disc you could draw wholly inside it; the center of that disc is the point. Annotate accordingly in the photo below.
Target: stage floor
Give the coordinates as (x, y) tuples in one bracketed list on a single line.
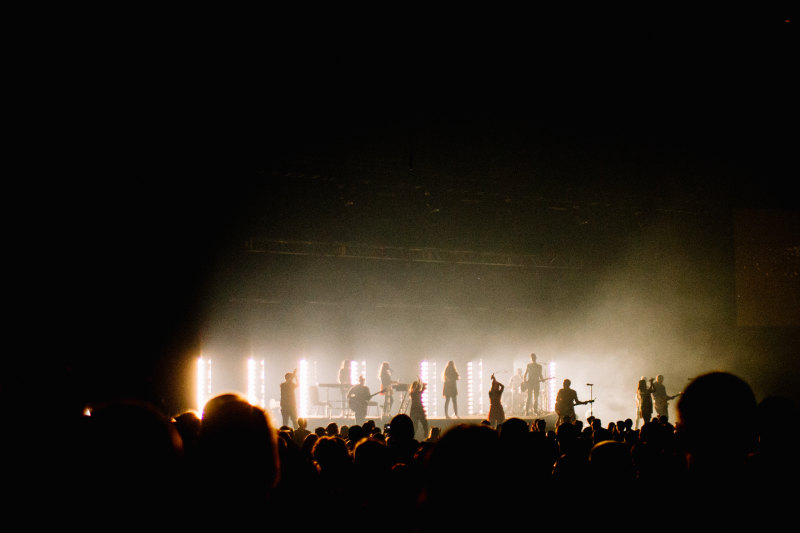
[(441, 422)]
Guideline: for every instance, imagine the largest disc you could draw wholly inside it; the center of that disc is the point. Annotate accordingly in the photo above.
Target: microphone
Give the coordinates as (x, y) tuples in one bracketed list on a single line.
[(590, 384)]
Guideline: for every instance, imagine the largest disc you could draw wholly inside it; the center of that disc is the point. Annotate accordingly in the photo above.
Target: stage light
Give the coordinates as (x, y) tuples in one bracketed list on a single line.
[(353, 372), (427, 370), (203, 386), (256, 382), (475, 387)]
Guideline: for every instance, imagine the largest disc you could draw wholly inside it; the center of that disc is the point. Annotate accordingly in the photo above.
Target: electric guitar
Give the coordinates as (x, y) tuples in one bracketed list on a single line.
[(524, 386), (355, 403)]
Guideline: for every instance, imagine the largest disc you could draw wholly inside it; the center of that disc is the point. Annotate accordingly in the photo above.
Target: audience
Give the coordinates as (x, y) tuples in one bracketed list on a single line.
[(233, 462)]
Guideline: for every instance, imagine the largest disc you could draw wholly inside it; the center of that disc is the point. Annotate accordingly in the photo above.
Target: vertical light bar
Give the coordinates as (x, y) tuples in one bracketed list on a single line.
[(434, 397), (303, 406), (353, 372), (482, 392), (470, 396), (553, 385), (363, 371), (203, 382), (252, 382), (423, 375)]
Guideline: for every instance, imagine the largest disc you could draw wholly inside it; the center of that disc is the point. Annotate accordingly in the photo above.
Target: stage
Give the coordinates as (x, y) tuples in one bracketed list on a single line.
[(441, 422)]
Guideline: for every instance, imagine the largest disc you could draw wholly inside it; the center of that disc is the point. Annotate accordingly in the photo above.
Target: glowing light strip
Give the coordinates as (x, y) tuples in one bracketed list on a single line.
[(203, 389), (353, 372), (434, 403), (252, 384), (470, 398), (481, 390), (423, 375)]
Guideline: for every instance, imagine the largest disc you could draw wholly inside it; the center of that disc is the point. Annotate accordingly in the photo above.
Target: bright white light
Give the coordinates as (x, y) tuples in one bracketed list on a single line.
[(553, 385), (423, 376), (470, 381), (256, 382), (353, 372), (203, 388)]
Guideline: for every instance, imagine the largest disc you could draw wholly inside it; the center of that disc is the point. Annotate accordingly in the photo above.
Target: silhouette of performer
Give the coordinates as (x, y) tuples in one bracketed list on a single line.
[(359, 396), (289, 399), (417, 409), (385, 375), (515, 384), (450, 388), (644, 402), (566, 400), (660, 397), (344, 379), (496, 413), (531, 380)]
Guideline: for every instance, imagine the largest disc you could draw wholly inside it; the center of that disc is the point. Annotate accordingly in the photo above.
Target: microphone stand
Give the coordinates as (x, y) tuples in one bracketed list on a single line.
[(591, 396)]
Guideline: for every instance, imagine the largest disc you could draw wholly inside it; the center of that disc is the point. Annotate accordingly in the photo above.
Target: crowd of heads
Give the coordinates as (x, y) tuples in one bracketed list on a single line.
[(128, 462)]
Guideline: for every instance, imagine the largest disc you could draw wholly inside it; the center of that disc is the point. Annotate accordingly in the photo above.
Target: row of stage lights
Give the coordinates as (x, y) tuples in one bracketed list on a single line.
[(476, 385)]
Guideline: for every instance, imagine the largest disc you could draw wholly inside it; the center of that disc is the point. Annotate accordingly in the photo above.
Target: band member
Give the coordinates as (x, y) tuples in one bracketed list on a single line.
[(345, 381), (531, 380), (417, 410), (515, 384), (450, 388), (385, 375), (496, 413), (566, 400), (644, 402), (358, 397), (660, 397), (289, 399)]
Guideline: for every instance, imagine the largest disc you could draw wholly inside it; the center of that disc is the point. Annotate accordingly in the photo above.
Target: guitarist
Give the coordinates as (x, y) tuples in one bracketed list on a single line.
[(566, 400), (358, 397), (660, 397), (530, 384)]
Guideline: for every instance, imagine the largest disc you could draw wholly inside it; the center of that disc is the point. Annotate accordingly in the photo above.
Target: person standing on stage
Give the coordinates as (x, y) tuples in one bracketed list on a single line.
[(566, 400), (497, 414), (289, 399), (531, 380), (385, 375), (644, 402), (358, 397), (660, 398), (417, 410), (515, 384), (450, 388), (345, 382)]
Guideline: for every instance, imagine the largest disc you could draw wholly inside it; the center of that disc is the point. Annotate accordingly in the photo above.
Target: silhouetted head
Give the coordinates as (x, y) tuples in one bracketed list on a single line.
[(401, 427), (567, 383), (706, 433)]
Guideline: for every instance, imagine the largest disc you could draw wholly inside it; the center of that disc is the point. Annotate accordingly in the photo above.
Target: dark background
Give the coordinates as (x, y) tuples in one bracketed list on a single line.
[(640, 168)]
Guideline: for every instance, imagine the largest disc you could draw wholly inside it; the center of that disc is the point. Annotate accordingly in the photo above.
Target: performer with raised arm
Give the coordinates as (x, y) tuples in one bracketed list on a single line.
[(566, 400), (417, 410), (496, 413)]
